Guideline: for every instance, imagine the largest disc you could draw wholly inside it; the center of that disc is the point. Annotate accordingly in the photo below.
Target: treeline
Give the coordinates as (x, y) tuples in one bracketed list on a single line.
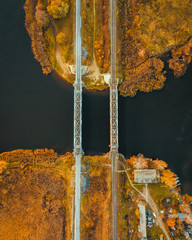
[(30, 157), (102, 40), (181, 57), (36, 21), (146, 77)]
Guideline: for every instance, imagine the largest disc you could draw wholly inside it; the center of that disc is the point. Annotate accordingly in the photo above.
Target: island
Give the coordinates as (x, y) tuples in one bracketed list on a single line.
[(37, 197), (151, 36)]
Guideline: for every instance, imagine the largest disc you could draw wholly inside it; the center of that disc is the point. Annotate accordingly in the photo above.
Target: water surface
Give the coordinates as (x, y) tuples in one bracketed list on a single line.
[(37, 110)]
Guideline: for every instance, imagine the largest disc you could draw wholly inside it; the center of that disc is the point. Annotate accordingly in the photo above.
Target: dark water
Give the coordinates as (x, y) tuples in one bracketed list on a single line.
[(37, 111), (159, 125)]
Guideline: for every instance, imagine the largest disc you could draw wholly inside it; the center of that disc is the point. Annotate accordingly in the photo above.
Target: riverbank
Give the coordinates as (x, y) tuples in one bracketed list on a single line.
[(39, 184), (142, 51)]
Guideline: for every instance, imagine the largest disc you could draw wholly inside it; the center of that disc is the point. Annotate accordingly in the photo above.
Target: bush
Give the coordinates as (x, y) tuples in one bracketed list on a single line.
[(58, 8), (41, 16)]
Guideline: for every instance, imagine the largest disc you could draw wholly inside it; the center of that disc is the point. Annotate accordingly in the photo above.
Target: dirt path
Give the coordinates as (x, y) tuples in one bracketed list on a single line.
[(151, 204), (155, 209), (64, 66)]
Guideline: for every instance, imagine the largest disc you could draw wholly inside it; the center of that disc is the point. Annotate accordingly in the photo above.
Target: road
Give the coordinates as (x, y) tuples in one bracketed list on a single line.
[(113, 6), (155, 209), (78, 122), (114, 229), (113, 122)]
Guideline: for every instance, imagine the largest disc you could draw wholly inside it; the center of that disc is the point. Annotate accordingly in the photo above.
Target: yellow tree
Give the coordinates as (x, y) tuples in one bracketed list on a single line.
[(41, 16), (140, 162), (169, 178), (159, 164), (58, 8), (171, 222)]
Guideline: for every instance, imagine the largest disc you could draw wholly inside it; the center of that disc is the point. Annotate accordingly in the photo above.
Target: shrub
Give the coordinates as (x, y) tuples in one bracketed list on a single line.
[(58, 8)]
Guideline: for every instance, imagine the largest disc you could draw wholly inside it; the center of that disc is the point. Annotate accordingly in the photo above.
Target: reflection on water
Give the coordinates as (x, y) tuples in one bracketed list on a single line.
[(37, 111)]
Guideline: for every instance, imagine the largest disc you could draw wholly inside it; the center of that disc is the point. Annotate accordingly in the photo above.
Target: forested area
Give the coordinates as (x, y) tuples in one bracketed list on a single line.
[(150, 35), (102, 38), (39, 18), (35, 195), (37, 186), (42, 40)]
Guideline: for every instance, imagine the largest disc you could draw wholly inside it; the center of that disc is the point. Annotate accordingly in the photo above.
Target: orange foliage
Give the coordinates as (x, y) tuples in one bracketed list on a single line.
[(146, 77), (168, 178), (141, 162), (159, 164), (48, 156), (102, 45), (188, 219), (179, 222), (171, 222), (185, 208), (138, 162), (181, 57), (97, 200), (187, 198), (35, 32), (131, 160)]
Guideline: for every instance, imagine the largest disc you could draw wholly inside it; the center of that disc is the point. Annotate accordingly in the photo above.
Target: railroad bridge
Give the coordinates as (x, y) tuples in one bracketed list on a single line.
[(78, 70)]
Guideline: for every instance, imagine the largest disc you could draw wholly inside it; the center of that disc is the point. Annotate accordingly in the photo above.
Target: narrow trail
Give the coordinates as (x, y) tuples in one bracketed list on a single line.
[(94, 70), (64, 66), (155, 209)]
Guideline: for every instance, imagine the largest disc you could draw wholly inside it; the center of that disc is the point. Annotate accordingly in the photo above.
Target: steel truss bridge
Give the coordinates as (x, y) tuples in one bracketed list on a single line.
[(114, 143)]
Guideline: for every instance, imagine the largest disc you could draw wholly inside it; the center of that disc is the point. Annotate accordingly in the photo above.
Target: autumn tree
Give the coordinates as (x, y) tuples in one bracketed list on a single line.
[(58, 8), (61, 38), (145, 77), (171, 222), (3, 166), (185, 208), (188, 219), (131, 160), (141, 162), (179, 222), (159, 164), (41, 16), (181, 57), (36, 33), (187, 198), (162, 24), (169, 178)]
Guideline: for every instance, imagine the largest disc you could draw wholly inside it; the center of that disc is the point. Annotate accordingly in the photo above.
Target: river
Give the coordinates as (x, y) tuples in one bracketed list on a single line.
[(37, 110)]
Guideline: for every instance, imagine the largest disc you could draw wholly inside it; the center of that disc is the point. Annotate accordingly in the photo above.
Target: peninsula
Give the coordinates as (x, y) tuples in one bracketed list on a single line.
[(150, 35)]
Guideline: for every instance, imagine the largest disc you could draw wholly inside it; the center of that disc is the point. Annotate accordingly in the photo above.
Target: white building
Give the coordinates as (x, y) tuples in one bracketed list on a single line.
[(146, 176), (143, 220)]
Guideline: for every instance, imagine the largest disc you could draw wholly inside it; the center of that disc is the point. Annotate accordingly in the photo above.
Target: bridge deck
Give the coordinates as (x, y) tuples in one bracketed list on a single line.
[(114, 144), (78, 152)]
